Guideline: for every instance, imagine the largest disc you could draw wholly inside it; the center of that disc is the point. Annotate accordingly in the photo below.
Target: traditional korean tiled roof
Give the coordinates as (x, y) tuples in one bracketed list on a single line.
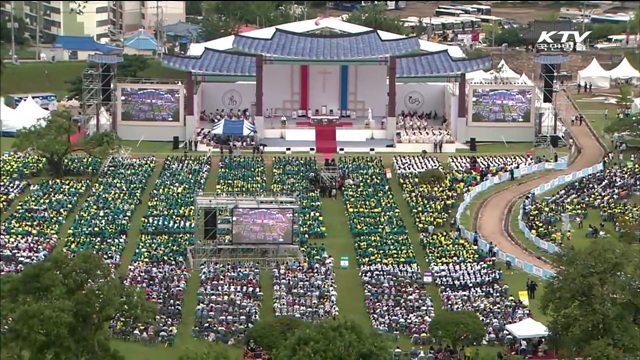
[(364, 45), (437, 63), (214, 62)]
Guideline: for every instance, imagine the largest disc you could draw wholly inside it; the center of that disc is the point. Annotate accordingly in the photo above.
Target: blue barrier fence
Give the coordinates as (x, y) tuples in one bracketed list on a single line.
[(546, 187), (484, 245)]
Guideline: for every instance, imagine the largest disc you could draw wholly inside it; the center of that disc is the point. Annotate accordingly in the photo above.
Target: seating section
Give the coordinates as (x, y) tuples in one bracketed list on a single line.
[(607, 191), (17, 166), (103, 222), (228, 301), (79, 165), (430, 203), (394, 293), (241, 175), (307, 291), (469, 281), (291, 176), (159, 264), (494, 165), (415, 164), (9, 191), (30, 233)]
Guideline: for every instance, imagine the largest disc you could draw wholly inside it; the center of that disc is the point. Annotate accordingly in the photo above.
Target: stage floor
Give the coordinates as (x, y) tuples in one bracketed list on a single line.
[(281, 143)]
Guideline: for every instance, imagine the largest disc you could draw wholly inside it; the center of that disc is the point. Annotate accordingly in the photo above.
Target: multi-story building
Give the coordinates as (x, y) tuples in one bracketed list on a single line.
[(100, 19)]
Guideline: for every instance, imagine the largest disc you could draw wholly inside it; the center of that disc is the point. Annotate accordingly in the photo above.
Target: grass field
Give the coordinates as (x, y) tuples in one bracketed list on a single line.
[(50, 78), (22, 52)]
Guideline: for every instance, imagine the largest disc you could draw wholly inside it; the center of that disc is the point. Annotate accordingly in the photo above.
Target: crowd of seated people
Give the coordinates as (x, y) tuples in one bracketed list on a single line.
[(102, 223), (242, 175), (394, 293), (9, 191), (607, 191), (492, 164), (307, 291), (415, 164), (30, 233), (425, 136), (80, 165), (222, 114), (430, 203), (293, 176), (229, 300), (468, 281), (412, 120), (223, 142), (19, 166)]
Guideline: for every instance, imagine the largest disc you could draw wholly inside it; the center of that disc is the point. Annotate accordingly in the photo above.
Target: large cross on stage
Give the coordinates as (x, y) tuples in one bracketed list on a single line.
[(324, 74)]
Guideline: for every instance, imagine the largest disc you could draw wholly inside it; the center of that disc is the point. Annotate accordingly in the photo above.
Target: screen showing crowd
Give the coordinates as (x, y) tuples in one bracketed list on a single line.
[(262, 226), (491, 105), (140, 104)]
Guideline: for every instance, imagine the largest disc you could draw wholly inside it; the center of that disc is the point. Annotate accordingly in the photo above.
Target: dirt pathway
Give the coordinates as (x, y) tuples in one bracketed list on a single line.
[(493, 212)]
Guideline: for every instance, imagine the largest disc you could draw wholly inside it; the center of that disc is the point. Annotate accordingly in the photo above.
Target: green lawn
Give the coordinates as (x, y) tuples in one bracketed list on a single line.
[(50, 78), (22, 52)]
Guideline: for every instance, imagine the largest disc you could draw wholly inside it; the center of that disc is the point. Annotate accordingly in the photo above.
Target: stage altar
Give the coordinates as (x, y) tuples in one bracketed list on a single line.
[(324, 119)]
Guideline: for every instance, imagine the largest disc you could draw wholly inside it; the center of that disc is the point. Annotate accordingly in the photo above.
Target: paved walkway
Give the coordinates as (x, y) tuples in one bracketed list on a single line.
[(494, 211)]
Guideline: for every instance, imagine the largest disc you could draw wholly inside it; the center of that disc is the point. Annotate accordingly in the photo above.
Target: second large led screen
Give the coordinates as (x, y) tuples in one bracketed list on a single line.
[(262, 226), (491, 105)]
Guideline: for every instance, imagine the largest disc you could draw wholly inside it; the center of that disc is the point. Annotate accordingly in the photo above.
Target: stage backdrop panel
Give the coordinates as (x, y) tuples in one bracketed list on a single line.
[(226, 96), (324, 87), (368, 88), (281, 92), (421, 97), (150, 132)]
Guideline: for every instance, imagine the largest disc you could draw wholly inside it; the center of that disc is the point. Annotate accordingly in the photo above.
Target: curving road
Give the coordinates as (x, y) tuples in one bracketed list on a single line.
[(494, 211)]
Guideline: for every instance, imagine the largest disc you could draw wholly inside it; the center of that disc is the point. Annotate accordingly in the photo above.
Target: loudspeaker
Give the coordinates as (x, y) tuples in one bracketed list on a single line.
[(554, 140), (176, 143), (105, 76), (340, 150), (312, 150), (472, 145), (210, 224), (287, 150), (548, 77), (372, 151)]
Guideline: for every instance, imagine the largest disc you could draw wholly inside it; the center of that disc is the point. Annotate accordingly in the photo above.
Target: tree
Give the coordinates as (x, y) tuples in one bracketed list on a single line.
[(377, 17), (629, 125), (61, 308), (270, 335), (432, 177), (193, 8), (18, 34), (210, 353), (509, 36), (337, 340), (51, 141), (457, 328), (594, 301), (74, 91), (132, 65)]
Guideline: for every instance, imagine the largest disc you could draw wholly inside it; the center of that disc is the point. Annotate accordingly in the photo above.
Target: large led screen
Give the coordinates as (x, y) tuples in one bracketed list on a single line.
[(262, 226), (501, 106), (150, 104)]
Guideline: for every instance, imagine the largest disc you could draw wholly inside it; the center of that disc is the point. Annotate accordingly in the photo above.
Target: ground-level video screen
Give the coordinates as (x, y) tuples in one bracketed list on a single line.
[(262, 226), (491, 105), (145, 104)]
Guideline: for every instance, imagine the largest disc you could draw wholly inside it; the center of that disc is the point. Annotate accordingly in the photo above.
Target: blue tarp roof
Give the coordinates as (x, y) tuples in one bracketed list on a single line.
[(141, 41), (214, 62), (438, 63), (83, 43), (181, 28), (233, 127), (326, 47)]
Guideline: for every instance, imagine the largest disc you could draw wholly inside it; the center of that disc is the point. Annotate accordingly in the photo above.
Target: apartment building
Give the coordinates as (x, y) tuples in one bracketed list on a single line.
[(100, 19)]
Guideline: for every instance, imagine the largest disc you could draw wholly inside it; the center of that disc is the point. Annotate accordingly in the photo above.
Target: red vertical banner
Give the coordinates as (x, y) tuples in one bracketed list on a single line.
[(304, 87)]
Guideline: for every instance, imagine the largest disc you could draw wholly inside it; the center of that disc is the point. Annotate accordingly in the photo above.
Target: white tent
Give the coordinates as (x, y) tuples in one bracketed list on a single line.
[(30, 110), (624, 71), (524, 80), (478, 75), (9, 119), (105, 122), (504, 73), (527, 329), (596, 75), (635, 106)]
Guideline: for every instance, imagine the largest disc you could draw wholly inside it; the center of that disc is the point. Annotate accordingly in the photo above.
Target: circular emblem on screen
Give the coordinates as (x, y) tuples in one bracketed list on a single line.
[(413, 100), (232, 99)]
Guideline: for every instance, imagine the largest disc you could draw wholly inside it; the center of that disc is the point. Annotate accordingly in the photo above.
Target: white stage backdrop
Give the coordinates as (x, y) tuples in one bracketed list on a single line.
[(281, 92), (324, 87), (226, 96), (368, 88), (421, 97)]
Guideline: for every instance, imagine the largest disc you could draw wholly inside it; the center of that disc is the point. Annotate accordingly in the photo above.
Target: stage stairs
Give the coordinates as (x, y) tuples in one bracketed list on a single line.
[(329, 175), (326, 139)]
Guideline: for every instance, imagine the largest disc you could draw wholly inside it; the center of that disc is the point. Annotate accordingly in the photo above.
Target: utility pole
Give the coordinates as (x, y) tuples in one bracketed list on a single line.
[(13, 40), (158, 50), (38, 25)]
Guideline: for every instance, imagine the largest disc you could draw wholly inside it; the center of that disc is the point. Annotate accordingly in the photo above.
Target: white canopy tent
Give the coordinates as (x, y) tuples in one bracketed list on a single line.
[(105, 122), (504, 73), (624, 71), (596, 75), (30, 109), (9, 119), (27, 114), (527, 329), (635, 106)]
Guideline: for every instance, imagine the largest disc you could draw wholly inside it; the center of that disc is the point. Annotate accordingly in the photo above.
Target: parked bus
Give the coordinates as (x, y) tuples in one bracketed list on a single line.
[(353, 5), (610, 19), (446, 12), (482, 9), (456, 25), (488, 18), (466, 9)]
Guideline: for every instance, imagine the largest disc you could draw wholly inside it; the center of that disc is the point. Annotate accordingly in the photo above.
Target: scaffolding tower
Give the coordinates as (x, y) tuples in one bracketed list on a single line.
[(213, 232), (98, 88), (550, 65)]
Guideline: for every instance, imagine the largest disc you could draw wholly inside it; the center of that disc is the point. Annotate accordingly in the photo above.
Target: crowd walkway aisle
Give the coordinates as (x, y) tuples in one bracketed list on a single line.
[(133, 235), (266, 275), (18, 199), (493, 212)]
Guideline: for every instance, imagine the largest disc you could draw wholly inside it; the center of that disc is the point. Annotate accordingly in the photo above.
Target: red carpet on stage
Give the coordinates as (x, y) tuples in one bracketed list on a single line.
[(326, 139), (308, 124)]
